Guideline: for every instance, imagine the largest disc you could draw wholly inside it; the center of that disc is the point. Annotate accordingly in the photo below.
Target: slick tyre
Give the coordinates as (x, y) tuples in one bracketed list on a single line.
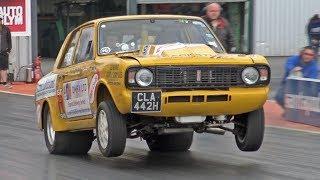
[(249, 129), (77, 143), (111, 129), (171, 142)]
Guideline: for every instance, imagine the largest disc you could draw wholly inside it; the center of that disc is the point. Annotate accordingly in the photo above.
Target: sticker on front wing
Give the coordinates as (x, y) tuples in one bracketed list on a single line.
[(46, 87), (146, 102), (92, 87)]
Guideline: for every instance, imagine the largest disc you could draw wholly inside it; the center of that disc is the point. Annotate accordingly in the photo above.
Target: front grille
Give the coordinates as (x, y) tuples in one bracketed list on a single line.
[(197, 77)]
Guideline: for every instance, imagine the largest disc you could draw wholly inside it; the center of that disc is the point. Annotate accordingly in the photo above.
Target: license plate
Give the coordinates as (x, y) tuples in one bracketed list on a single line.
[(146, 102)]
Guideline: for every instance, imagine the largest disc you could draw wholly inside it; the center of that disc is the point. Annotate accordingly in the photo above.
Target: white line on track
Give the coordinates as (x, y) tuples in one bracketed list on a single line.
[(21, 94), (293, 129)]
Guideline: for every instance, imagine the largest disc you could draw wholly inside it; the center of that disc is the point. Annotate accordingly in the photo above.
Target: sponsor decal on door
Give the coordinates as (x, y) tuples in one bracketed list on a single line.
[(76, 98)]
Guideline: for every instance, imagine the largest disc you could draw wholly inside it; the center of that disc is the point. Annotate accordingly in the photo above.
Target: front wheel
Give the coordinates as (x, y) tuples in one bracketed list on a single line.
[(111, 129), (249, 130)]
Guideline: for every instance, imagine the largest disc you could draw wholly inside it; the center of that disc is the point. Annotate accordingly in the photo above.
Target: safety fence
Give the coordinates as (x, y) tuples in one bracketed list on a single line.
[(302, 100)]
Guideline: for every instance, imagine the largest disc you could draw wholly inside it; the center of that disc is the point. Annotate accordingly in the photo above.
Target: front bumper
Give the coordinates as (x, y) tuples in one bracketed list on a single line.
[(230, 102)]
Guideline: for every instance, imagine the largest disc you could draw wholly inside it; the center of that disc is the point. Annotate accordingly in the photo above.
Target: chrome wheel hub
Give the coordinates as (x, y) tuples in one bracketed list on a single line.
[(103, 132), (50, 132)]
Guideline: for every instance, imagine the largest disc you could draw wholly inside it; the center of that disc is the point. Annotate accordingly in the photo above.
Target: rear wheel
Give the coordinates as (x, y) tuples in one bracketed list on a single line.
[(111, 129), (65, 142), (249, 129), (170, 142)]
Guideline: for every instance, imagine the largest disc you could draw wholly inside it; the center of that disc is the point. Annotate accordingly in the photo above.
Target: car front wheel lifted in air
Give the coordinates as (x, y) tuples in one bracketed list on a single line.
[(65, 142), (249, 130), (111, 129)]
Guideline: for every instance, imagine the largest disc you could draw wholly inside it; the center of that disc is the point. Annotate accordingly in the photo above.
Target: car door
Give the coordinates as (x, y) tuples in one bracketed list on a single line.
[(74, 76)]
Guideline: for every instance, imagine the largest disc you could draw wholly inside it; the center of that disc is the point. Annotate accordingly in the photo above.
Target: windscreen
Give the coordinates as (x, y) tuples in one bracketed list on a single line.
[(131, 35)]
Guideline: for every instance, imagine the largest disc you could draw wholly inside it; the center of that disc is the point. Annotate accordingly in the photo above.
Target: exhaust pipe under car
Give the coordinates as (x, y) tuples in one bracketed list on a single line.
[(215, 131), (174, 130)]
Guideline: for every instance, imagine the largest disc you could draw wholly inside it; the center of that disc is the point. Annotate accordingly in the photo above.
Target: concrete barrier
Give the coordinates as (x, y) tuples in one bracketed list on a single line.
[(302, 101)]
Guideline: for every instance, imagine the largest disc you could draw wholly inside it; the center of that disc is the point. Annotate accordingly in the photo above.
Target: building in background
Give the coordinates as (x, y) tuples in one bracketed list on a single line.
[(280, 26), (56, 18), (17, 16), (267, 27)]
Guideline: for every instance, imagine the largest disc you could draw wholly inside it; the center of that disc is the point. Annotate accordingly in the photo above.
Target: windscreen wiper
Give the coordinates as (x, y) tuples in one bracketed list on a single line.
[(125, 52)]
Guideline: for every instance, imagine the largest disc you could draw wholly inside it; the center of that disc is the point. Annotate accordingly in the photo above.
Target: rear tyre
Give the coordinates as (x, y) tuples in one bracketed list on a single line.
[(111, 130), (65, 142), (249, 129), (171, 142)]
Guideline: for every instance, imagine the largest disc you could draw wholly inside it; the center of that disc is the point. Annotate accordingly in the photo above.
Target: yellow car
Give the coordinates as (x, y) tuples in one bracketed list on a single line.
[(156, 77)]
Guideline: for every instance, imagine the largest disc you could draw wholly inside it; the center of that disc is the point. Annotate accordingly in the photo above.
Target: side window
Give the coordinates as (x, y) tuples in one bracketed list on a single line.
[(85, 46), (68, 57)]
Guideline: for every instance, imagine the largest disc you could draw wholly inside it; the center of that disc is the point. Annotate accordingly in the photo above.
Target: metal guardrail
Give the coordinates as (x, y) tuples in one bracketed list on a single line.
[(302, 100)]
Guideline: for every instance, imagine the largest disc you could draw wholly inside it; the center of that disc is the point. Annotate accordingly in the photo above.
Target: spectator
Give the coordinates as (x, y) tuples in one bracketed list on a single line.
[(220, 26), (302, 65), (5, 48), (313, 31)]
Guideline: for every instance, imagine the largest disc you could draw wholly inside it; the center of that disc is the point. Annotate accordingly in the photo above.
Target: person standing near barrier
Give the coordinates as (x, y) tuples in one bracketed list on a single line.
[(5, 48), (303, 65), (220, 26), (313, 31)]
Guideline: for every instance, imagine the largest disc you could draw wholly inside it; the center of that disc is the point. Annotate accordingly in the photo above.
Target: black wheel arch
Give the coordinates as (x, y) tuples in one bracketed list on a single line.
[(102, 93), (45, 105)]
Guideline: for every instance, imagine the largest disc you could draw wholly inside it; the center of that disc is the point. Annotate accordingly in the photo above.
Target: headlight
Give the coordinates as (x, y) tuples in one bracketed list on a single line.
[(250, 75), (144, 77)]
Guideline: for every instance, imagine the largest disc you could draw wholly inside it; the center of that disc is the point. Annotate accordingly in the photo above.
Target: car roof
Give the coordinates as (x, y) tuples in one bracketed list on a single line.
[(135, 17)]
